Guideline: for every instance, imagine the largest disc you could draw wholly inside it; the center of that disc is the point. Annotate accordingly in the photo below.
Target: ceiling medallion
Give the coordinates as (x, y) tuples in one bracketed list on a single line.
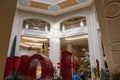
[(81, 1), (24, 2), (112, 10), (54, 7)]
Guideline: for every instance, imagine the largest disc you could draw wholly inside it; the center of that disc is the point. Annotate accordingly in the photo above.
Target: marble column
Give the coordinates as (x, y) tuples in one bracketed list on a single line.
[(108, 12), (63, 27), (81, 24), (26, 26), (8, 8), (14, 31), (54, 53), (19, 30), (46, 49), (69, 47), (46, 28), (95, 48)]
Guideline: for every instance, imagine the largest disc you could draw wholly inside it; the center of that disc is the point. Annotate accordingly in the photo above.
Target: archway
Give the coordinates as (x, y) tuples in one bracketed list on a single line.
[(46, 67), (29, 65)]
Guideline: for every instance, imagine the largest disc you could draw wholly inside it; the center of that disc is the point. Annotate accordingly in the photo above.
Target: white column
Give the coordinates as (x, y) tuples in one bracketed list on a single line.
[(14, 32), (96, 40), (46, 48), (95, 48), (69, 47), (54, 54), (101, 58), (46, 28), (26, 26), (63, 27), (81, 24), (19, 30)]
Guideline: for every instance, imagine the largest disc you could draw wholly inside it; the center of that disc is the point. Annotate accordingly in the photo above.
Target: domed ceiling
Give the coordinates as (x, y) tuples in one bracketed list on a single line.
[(52, 7)]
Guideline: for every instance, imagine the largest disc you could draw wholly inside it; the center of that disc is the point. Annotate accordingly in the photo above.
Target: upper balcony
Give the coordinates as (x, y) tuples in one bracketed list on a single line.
[(35, 27), (73, 26), (70, 27)]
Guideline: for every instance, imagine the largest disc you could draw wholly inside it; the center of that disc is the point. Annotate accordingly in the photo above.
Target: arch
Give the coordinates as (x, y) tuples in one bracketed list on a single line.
[(72, 16), (46, 64), (76, 21), (36, 24), (37, 17)]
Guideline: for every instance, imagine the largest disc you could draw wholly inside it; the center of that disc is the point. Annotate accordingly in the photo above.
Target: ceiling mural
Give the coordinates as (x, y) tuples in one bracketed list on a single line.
[(53, 6)]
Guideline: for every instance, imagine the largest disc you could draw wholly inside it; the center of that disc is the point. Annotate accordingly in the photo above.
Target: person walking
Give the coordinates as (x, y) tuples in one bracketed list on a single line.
[(83, 75), (75, 77)]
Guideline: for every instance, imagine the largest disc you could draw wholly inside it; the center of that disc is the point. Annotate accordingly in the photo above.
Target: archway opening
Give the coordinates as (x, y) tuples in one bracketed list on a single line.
[(75, 41), (34, 37)]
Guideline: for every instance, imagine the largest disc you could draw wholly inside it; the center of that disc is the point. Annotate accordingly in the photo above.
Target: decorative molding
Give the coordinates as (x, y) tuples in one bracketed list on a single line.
[(61, 11), (117, 68), (25, 3), (112, 9), (54, 7), (115, 46), (106, 1)]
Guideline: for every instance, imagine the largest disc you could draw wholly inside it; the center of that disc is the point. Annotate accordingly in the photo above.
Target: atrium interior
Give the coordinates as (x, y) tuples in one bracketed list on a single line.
[(62, 39)]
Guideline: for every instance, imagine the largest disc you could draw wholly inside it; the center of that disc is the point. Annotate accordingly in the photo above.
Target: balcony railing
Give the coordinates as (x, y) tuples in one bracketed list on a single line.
[(74, 31), (35, 32)]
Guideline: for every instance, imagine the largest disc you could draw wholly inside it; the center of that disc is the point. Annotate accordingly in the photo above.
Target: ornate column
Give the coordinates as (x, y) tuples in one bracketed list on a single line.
[(54, 54), (95, 48), (81, 24), (69, 47), (109, 19), (19, 30), (14, 32), (26, 26), (46, 28), (63, 27), (46, 49)]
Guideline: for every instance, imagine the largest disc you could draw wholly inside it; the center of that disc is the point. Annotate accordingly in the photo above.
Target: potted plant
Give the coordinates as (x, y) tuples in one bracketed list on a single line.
[(104, 75), (15, 76)]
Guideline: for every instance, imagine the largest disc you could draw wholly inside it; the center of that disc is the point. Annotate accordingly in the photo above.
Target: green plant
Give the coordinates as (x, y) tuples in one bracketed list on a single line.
[(15, 76), (94, 70), (85, 65), (104, 75)]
